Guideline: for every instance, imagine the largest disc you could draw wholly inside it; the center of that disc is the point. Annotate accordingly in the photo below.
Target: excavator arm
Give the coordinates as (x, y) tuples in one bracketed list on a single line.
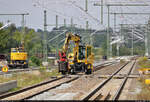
[(69, 37), (63, 64)]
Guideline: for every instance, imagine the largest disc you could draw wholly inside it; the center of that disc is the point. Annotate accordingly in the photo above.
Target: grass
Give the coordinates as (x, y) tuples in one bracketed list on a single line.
[(28, 79), (144, 62), (145, 92)]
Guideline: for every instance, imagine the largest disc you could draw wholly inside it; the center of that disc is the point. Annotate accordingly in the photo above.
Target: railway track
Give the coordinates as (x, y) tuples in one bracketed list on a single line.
[(37, 89), (53, 93), (98, 94), (97, 67), (118, 93), (26, 92), (34, 90)]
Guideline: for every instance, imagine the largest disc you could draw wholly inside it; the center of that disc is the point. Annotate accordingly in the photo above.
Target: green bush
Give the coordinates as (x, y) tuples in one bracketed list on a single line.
[(35, 60)]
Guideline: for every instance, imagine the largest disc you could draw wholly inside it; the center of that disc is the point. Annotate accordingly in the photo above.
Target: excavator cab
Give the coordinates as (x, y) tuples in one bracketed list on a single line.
[(81, 54), (85, 59)]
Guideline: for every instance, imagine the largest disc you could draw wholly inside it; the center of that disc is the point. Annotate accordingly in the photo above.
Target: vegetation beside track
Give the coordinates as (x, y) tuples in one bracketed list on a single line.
[(145, 89), (143, 62), (31, 78)]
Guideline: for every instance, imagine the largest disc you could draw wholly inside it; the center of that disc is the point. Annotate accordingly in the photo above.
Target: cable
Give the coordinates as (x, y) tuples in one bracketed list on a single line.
[(97, 21), (61, 14)]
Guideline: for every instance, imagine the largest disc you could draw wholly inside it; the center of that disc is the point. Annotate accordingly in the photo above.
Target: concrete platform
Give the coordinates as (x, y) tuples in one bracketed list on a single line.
[(4, 87)]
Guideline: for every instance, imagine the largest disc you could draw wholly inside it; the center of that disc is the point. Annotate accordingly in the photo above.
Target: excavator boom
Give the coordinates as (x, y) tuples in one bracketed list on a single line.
[(69, 37)]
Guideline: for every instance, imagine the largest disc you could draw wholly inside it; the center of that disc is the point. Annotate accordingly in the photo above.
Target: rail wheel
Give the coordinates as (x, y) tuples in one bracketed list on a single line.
[(25, 66), (72, 71), (88, 70), (63, 72)]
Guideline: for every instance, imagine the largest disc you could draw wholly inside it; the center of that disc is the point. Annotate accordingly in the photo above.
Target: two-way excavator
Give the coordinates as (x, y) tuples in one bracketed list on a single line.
[(81, 60)]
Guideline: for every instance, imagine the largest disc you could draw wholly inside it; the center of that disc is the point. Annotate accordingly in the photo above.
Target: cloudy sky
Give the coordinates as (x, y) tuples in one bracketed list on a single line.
[(67, 9)]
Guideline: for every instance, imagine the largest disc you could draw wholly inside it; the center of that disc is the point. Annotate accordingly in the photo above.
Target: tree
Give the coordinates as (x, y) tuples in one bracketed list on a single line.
[(4, 38)]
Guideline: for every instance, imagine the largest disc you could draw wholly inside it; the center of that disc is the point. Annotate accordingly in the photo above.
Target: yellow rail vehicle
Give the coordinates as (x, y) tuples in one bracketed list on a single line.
[(84, 60), (80, 60), (18, 57)]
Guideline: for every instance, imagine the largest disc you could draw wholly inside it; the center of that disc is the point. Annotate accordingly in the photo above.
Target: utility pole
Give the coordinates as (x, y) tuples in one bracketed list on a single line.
[(115, 22), (148, 37), (64, 22), (45, 38), (145, 38), (109, 48), (121, 32), (115, 32), (57, 21), (146, 41), (132, 41), (87, 25), (57, 28), (87, 33), (135, 13), (22, 23), (71, 24), (101, 11), (87, 22), (86, 5), (23, 29), (118, 49)]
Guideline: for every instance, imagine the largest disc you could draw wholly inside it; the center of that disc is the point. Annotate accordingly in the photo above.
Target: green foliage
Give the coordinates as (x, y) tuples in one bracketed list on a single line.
[(33, 41), (35, 60), (11, 37), (3, 37), (42, 69), (139, 50), (142, 60), (17, 36), (125, 51), (99, 39), (104, 48), (97, 53)]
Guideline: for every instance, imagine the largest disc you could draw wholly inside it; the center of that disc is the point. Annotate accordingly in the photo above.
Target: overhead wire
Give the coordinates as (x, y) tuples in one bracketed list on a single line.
[(62, 14), (122, 15), (88, 14)]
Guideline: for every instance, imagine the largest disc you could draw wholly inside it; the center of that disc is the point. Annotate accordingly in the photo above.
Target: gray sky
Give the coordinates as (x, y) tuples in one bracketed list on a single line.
[(65, 9)]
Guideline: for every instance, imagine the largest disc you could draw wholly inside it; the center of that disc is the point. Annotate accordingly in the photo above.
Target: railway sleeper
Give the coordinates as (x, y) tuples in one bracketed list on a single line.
[(106, 96)]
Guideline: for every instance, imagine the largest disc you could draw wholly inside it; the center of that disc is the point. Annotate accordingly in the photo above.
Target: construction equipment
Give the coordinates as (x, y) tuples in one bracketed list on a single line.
[(81, 60), (18, 57)]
